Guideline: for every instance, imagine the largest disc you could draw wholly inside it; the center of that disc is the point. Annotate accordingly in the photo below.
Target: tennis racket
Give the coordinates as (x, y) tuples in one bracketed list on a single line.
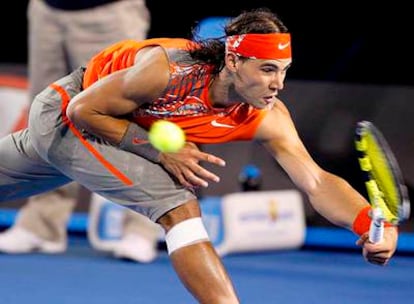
[(385, 186)]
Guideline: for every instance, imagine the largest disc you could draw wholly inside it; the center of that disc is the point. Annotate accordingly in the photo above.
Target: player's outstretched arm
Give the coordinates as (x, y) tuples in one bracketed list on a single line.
[(330, 195)]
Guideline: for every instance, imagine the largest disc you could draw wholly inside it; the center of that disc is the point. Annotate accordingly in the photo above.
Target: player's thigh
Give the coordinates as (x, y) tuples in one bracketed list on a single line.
[(127, 179), (22, 171)]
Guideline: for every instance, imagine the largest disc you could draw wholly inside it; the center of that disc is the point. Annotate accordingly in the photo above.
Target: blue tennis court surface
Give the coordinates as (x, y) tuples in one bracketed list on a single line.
[(81, 275)]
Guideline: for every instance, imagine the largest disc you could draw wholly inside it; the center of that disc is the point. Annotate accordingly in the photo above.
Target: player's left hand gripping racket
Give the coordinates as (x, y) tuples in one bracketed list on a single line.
[(385, 186)]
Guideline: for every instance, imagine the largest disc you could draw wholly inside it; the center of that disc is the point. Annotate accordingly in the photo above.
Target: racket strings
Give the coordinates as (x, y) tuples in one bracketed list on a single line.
[(384, 176), (380, 182), (384, 182)]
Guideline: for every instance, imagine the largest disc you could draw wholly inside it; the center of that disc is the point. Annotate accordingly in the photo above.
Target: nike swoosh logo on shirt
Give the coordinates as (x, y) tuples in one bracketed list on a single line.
[(138, 141), (282, 46), (214, 123)]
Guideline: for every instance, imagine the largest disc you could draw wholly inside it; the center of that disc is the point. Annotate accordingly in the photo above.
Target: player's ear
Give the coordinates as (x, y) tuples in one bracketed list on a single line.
[(231, 61)]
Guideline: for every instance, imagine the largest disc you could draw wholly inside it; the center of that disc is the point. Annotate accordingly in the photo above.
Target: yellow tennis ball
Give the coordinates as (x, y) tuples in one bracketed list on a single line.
[(166, 136)]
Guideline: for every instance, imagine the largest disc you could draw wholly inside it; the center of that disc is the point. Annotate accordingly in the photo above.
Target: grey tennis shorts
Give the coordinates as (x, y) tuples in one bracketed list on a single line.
[(53, 152)]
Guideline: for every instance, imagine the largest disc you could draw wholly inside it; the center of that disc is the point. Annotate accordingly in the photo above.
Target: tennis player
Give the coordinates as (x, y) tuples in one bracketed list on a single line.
[(91, 127)]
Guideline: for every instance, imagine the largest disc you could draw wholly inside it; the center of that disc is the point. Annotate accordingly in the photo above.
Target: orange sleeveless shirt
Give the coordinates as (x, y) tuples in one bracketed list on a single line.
[(185, 100)]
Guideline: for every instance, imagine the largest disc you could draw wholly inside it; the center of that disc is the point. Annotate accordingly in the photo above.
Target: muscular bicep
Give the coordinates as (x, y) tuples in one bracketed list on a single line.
[(278, 134), (99, 108), (148, 79), (123, 91)]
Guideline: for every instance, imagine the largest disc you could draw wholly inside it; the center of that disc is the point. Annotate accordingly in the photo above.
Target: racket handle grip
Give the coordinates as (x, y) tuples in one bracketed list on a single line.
[(376, 230)]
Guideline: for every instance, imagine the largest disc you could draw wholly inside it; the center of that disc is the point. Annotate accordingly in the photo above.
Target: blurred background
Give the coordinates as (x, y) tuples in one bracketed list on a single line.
[(342, 42)]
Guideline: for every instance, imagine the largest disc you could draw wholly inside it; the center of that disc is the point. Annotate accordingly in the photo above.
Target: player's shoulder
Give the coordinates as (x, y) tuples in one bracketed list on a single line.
[(279, 116), (168, 43), (161, 48), (280, 107)]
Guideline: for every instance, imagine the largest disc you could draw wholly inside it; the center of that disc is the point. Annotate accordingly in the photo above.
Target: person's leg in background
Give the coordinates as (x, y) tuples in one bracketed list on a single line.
[(139, 239), (60, 41), (122, 232), (41, 223)]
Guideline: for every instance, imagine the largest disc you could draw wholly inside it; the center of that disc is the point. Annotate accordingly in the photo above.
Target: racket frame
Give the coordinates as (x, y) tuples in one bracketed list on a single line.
[(378, 217)]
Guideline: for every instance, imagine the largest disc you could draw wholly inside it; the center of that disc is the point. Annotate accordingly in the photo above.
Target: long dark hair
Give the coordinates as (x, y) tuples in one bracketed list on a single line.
[(259, 21)]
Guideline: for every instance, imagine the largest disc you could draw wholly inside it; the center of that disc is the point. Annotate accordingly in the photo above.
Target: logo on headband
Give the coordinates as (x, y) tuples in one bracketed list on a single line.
[(260, 46), (282, 46)]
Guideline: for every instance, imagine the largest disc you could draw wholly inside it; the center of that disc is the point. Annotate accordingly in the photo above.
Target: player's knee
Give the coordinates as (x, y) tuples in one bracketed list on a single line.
[(186, 233)]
